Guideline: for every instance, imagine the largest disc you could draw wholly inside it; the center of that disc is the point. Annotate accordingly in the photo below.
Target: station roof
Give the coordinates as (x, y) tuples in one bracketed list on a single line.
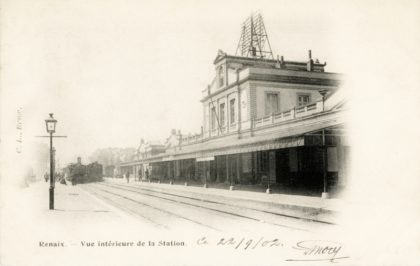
[(283, 136)]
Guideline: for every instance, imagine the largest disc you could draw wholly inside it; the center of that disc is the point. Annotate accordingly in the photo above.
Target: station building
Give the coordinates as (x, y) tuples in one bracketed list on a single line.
[(272, 123)]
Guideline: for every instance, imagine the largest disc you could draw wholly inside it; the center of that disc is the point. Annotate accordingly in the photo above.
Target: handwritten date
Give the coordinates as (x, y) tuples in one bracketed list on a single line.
[(242, 243)]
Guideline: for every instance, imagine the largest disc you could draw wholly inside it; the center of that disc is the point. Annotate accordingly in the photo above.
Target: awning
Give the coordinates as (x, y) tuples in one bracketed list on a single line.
[(272, 138), (168, 158), (207, 154), (264, 146), (205, 159)]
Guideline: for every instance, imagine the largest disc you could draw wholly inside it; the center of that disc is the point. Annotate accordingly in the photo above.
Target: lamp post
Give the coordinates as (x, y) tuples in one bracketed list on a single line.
[(50, 123), (323, 93), (324, 194)]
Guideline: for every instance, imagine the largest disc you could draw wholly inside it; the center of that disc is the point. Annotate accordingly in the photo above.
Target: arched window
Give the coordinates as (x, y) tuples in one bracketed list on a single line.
[(271, 103), (221, 76), (213, 118), (232, 111)]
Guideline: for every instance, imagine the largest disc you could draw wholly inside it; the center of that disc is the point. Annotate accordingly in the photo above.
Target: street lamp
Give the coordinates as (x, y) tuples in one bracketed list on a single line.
[(324, 152), (323, 93), (50, 123)]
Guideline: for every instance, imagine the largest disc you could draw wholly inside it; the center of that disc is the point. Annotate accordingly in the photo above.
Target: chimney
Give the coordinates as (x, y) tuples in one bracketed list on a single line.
[(278, 64), (310, 63), (179, 132), (173, 132), (79, 160)]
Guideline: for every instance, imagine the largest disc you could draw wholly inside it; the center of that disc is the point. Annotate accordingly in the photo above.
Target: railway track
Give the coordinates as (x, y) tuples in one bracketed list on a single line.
[(151, 205), (148, 208), (214, 202)]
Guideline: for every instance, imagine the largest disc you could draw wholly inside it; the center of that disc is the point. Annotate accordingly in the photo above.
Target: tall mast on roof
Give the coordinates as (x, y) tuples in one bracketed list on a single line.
[(254, 39)]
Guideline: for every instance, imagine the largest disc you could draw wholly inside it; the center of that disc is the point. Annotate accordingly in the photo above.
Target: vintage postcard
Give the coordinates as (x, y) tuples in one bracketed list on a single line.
[(209, 132)]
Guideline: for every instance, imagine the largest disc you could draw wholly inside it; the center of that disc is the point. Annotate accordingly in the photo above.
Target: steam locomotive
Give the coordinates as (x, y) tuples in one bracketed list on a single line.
[(77, 173)]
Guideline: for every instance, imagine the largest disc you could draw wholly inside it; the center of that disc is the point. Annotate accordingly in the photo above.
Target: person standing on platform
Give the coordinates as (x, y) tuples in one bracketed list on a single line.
[(147, 173), (127, 175)]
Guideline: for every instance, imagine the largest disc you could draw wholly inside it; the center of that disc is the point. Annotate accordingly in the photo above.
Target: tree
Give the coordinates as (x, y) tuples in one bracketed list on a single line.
[(113, 156)]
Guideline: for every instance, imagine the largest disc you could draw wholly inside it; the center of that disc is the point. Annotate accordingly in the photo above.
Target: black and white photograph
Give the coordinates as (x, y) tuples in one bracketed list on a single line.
[(209, 132)]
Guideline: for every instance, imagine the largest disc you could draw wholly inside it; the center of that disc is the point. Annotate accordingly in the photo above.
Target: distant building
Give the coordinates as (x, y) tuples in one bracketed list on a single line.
[(144, 152), (149, 149)]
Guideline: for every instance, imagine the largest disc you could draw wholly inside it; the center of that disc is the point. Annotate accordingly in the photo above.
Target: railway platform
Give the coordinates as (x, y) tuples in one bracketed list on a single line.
[(304, 207), (34, 235), (71, 205)]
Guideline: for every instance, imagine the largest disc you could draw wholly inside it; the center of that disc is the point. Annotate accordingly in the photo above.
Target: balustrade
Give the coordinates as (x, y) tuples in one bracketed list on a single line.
[(272, 119), (288, 115)]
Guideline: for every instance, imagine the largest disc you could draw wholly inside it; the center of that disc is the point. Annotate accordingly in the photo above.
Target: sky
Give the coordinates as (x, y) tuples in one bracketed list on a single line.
[(113, 71)]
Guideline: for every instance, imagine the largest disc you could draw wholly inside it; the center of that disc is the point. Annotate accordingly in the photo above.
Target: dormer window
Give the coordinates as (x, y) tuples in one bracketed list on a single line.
[(221, 76)]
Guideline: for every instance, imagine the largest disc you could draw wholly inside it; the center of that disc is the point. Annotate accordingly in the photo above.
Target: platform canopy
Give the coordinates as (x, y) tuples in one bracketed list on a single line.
[(306, 135), (244, 148)]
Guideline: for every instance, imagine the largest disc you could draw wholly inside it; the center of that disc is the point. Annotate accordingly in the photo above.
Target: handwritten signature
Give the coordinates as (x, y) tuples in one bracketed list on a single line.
[(318, 250)]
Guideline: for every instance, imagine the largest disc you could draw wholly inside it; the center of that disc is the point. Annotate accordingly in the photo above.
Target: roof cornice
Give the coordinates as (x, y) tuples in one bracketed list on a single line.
[(279, 79)]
